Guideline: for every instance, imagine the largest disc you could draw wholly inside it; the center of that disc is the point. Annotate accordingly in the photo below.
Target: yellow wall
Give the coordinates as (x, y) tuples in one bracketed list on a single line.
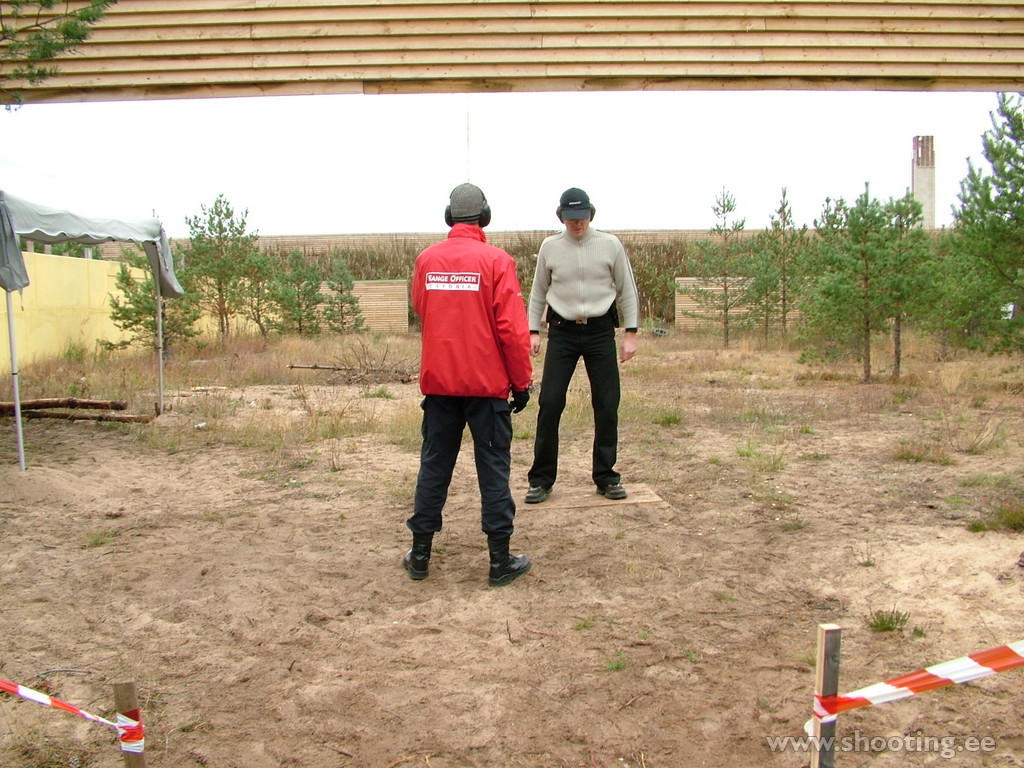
[(66, 303)]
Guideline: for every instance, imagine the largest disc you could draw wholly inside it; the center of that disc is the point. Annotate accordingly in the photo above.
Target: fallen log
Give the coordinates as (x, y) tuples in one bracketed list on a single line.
[(65, 402), (127, 417)]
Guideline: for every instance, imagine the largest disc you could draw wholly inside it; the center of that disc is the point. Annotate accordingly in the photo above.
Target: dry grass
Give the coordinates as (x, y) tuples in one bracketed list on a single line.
[(249, 393)]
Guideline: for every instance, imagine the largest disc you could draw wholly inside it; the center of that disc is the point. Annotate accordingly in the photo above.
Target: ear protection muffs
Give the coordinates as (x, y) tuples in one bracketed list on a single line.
[(483, 220), (558, 213)]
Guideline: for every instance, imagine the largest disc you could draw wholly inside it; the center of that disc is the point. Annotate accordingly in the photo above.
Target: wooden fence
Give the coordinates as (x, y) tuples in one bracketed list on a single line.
[(384, 304), (691, 316)]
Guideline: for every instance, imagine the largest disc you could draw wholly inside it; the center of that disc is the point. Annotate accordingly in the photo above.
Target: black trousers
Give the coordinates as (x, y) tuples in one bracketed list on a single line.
[(444, 421), (567, 343)]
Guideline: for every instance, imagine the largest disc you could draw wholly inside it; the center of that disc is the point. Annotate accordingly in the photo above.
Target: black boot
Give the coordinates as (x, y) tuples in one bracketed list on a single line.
[(505, 568), (417, 558)]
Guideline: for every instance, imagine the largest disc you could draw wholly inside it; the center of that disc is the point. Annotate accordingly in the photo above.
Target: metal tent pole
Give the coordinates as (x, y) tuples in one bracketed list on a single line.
[(159, 343), (14, 382)]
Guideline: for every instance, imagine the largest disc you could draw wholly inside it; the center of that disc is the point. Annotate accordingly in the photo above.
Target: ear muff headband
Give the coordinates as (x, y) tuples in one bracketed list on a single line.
[(482, 220)]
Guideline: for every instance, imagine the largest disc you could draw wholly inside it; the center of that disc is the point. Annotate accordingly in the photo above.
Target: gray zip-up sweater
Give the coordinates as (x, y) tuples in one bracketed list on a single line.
[(583, 278)]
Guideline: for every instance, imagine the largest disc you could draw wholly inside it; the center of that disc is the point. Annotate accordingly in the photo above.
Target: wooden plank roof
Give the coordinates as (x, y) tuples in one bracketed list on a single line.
[(152, 49)]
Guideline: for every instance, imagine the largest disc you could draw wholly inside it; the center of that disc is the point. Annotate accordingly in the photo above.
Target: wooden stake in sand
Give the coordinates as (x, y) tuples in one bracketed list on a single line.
[(826, 683), (126, 702)]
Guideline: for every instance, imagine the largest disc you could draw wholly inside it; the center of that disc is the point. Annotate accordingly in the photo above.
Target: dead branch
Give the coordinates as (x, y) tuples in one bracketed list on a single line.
[(344, 752), (363, 364), (68, 670), (362, 373), (65, 402)]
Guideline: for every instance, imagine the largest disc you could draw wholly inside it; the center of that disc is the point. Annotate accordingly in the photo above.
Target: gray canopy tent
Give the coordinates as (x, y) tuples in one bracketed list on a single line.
[(49, 225)]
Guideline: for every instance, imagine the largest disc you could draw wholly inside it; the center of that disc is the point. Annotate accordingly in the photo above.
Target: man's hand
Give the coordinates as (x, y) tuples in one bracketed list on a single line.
[(628, 349), (534, 344), (519, 400)]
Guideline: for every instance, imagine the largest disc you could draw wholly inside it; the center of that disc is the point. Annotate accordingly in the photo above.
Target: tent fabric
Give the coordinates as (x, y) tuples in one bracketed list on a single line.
[(52, 225), (13, 276)]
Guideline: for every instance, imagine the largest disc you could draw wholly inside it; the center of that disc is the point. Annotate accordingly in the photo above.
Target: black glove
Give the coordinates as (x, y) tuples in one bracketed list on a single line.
[(519, 400)]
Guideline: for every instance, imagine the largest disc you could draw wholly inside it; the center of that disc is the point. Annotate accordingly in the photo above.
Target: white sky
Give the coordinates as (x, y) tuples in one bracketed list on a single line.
[(354, 164)]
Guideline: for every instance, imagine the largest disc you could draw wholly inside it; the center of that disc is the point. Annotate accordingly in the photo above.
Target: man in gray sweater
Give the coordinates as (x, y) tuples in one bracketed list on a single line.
[(581, 272)]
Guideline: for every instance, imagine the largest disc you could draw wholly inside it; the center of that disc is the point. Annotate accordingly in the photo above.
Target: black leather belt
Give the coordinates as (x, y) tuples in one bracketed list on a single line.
[(581, 321), (556, 319)]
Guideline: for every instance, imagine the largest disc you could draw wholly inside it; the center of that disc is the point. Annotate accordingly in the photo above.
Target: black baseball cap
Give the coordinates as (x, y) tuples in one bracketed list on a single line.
[(574, 204)]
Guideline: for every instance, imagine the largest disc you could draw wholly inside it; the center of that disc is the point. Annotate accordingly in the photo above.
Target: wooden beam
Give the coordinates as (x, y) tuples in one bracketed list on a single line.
[(924, 46), (208, 48)]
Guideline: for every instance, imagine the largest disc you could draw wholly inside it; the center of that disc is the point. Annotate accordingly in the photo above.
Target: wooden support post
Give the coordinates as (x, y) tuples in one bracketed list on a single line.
[(826, 683), (126, 702)]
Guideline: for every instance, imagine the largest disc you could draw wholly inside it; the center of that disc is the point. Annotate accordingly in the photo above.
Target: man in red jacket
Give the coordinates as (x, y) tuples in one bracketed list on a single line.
[(475, 352)]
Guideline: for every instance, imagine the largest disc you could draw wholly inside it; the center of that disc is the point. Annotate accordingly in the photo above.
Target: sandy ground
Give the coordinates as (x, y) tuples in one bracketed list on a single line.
[(261, 609)]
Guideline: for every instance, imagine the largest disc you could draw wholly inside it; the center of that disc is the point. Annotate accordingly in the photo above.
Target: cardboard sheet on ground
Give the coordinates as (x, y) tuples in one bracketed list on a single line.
[(576, 497)]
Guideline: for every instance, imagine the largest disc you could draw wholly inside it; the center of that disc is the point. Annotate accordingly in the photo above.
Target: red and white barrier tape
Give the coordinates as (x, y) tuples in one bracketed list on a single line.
[(130, 732), (963, 670)]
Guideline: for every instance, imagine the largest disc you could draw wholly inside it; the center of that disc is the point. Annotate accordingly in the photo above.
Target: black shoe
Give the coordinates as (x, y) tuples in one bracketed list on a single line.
[(613, 491), (417, 559), (537, 494), (505, 568), (514, 567), (416, 565)]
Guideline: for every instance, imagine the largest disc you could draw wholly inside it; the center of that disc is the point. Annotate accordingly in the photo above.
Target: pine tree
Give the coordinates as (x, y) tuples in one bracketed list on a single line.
[(256, 290), (908, 268), (989, 226), (216, 259), (864, 274), (958, 296), (298, 296), (723, 269), (341, 308), (134, 311), (775, 255)]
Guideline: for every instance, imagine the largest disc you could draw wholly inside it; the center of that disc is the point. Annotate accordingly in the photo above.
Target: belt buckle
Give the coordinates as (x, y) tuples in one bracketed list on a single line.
[(581, 322)]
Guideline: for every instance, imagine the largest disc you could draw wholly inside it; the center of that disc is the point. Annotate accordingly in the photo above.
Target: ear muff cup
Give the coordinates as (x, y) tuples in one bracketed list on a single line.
[(558, 213), (484, 218)]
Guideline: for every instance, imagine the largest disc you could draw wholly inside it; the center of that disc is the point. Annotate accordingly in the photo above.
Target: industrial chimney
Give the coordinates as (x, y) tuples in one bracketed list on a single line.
[(922, 178)]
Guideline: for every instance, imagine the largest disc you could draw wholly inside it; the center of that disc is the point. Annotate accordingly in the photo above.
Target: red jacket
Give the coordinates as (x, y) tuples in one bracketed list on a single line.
[(476, 342)]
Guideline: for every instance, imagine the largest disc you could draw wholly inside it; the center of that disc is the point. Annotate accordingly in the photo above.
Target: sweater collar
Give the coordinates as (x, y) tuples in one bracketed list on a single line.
[(468, 230), (586, 235)]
